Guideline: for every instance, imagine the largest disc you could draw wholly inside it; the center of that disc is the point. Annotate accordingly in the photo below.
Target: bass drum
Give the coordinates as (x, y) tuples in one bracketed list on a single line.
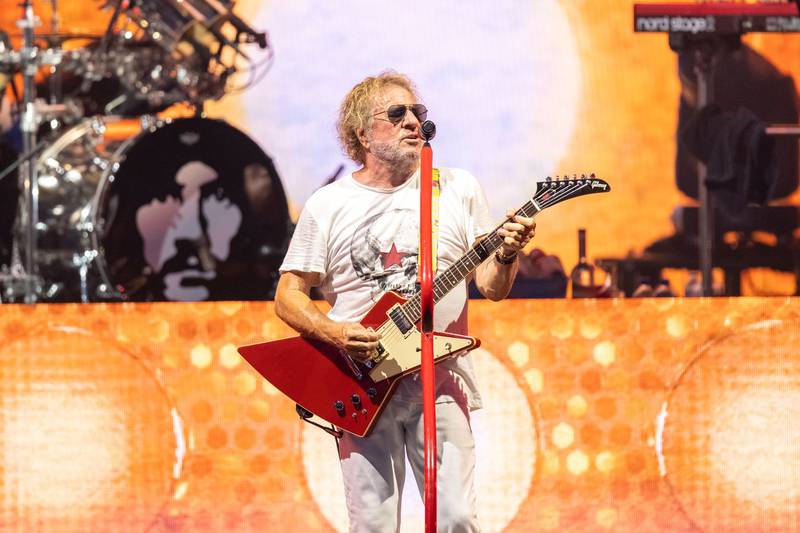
[(186, 210)]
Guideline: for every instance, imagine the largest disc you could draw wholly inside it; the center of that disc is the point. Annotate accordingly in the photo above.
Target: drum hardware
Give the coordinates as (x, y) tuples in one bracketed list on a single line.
[(55, 73), (21, 278), (29, 62), (150, 123), (162, 214), (23, 158), (110, 27), (75, 221), (194, 33), (82, 262), (43, 113)]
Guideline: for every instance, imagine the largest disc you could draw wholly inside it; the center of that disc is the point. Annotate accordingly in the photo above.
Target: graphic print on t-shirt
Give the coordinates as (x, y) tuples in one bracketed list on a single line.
[(384, 251)]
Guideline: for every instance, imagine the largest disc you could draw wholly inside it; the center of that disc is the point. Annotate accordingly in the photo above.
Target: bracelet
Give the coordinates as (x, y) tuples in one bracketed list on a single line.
[(505, 259)]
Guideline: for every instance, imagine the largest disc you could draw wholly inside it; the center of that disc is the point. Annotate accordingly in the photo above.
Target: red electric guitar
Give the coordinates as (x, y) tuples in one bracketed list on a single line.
[(349, 394)]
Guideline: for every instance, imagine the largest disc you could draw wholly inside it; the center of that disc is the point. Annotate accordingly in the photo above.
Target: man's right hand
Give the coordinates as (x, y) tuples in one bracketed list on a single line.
[(360, 342), (294, 306)]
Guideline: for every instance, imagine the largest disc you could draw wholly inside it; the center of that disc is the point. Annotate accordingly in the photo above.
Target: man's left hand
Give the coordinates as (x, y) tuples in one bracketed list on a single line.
[(517, 232)]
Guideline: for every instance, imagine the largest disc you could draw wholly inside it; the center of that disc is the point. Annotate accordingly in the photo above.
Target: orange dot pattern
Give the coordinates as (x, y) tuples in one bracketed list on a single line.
[(608, 478), (88, 437), (730, 434), (243, 455)]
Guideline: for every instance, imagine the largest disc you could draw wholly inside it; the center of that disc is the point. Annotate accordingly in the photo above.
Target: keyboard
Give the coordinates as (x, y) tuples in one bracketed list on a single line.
[(719, 18)]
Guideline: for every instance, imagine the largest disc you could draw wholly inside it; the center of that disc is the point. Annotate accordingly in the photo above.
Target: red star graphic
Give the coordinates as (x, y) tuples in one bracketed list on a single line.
[(392, 257)]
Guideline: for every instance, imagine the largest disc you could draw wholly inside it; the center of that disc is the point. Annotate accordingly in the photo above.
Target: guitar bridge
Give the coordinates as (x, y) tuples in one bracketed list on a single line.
[(382, 354)]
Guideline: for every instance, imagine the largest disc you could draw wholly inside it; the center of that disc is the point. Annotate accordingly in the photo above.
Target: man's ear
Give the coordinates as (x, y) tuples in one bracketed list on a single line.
[(362, 138)]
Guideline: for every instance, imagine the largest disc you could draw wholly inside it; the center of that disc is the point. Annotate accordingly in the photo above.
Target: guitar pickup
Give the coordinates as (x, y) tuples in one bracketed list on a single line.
[(401, 320)]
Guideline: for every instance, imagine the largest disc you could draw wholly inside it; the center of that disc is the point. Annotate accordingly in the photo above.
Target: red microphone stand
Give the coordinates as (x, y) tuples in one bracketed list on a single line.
[(426, 307)]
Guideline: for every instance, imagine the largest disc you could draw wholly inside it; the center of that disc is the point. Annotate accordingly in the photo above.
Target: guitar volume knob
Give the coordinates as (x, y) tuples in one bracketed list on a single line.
[(338, 405), (372, 392), (356, 399)]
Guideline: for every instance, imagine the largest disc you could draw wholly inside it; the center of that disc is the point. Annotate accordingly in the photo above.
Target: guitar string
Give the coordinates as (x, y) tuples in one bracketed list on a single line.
[(394, 333), (414, 305), (556, 197)]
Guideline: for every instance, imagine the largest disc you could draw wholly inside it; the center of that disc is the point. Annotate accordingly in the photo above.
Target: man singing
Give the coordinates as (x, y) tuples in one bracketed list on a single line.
[(359, 237)]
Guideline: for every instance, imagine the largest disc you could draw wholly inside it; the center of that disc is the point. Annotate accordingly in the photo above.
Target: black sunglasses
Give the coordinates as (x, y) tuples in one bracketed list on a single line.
[(395, 113)]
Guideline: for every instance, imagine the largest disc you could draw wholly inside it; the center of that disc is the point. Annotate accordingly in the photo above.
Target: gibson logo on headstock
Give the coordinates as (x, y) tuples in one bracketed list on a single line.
[(599, 184)]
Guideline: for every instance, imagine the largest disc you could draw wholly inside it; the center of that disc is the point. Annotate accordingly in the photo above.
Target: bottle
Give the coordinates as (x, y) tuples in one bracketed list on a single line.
[(694, 287), (582, 275)]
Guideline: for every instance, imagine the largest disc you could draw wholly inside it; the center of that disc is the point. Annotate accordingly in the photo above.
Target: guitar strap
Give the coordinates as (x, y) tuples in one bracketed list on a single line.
[(435, 192)]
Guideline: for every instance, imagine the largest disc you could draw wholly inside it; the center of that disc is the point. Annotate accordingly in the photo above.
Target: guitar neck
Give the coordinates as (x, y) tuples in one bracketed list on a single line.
[(458, 271), (548, 193)]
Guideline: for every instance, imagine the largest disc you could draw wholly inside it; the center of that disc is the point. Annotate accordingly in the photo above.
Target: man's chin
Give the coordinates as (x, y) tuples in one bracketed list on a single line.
[(412, 154), (402, 158)]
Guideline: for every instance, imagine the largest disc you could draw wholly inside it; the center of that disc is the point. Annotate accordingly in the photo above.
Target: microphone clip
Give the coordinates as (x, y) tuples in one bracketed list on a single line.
[(427, 130)]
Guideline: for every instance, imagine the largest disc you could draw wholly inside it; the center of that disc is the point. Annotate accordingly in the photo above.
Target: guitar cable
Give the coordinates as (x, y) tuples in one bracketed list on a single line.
[(306, 415)]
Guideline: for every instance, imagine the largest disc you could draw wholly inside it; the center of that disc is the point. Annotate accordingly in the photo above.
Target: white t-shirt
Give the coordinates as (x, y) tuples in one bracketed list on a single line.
[(365, 241)]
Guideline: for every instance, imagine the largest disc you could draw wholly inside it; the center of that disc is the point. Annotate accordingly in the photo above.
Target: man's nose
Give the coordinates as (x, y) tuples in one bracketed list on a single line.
[(410, 120)]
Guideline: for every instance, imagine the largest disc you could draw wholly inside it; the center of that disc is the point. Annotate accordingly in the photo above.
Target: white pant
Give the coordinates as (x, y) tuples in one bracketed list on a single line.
[(374, 467)]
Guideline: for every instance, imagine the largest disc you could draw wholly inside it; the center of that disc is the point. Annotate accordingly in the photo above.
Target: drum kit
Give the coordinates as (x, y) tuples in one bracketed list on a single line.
[(102, 200)]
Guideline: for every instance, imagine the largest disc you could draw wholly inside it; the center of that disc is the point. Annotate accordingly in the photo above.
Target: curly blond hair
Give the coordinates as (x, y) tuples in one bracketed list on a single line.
[(355, 113)]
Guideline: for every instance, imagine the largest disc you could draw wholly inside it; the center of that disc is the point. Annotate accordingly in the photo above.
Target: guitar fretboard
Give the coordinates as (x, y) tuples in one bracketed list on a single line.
[(548, 193), (462, 268)]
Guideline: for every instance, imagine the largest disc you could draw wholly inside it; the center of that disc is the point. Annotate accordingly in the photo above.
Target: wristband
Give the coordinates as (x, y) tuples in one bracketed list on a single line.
[(505, 259)]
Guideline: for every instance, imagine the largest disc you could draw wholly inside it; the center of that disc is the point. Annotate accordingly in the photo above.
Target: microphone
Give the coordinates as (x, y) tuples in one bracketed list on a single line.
[(427, 130)]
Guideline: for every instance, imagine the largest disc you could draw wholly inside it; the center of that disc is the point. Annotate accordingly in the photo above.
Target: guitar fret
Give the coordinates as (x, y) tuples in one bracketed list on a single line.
[(525, 209), (547, 194)]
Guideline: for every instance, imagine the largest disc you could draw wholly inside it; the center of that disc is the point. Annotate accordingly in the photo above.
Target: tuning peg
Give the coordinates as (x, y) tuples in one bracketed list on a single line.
[(548, 179), (592, 176), (583, 176)]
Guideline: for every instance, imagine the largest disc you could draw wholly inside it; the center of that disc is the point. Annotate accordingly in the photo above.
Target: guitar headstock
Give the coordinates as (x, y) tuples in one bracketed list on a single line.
[(553, 191)]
